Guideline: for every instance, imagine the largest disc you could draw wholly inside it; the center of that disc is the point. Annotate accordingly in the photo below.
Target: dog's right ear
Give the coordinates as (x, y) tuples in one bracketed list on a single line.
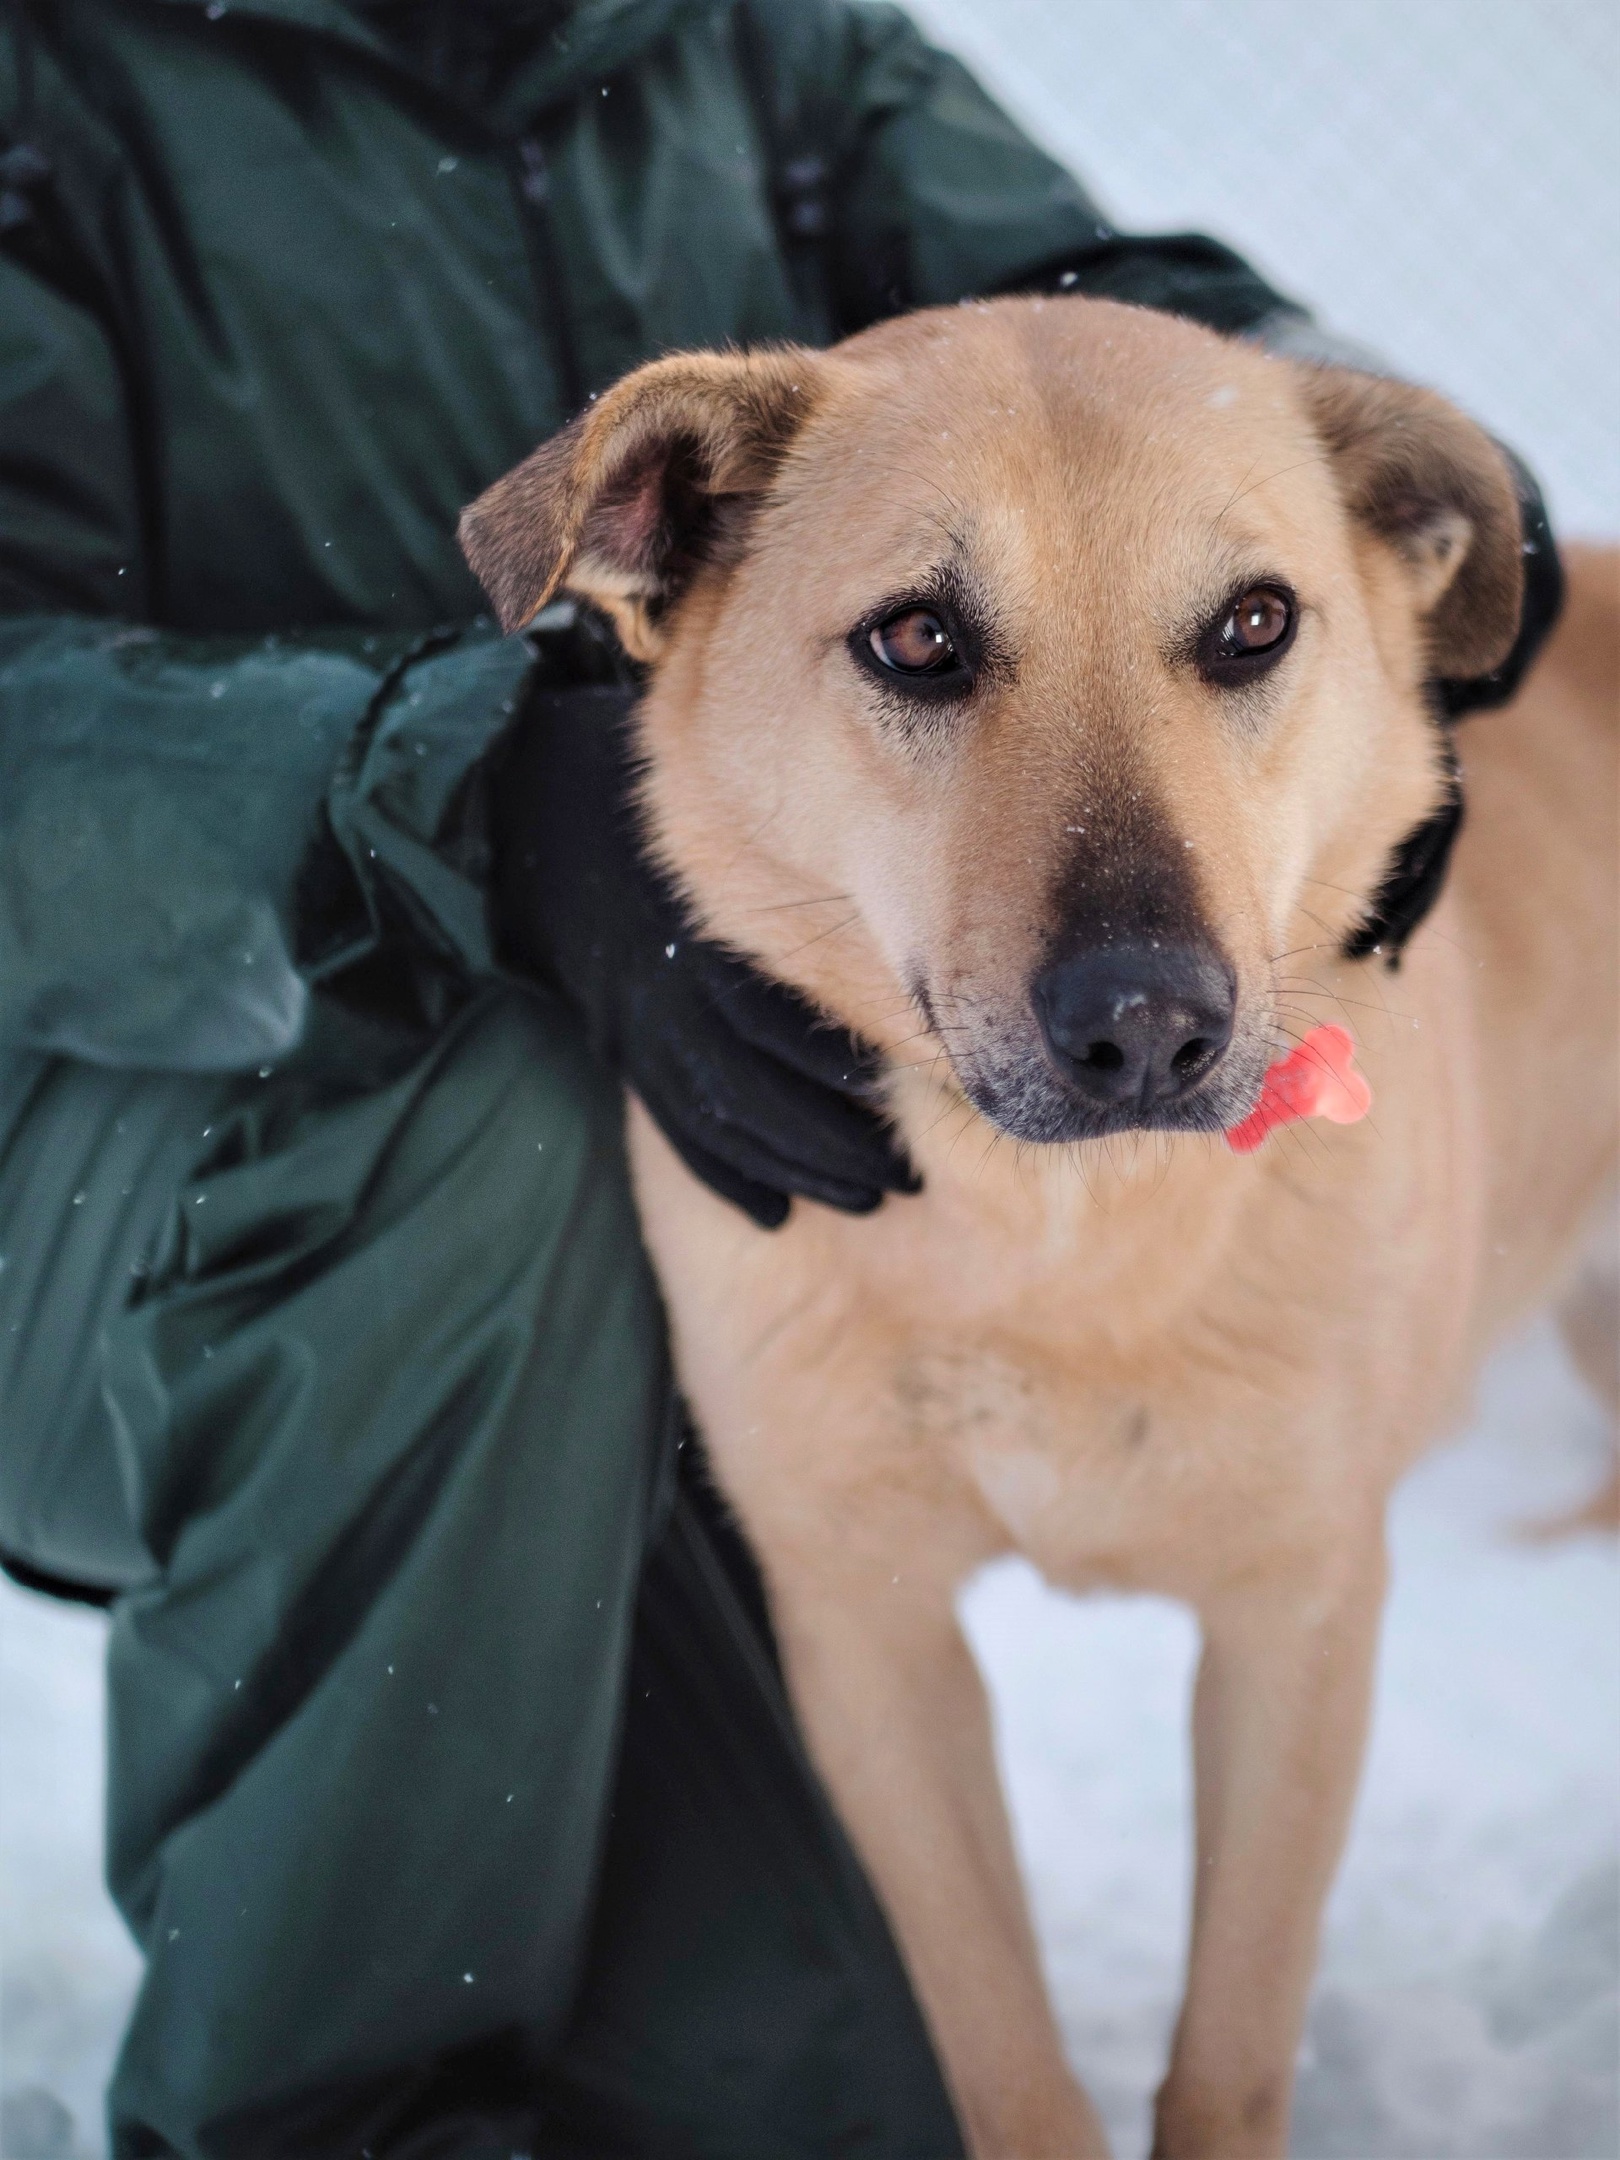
[(1438, 492), (633, 496)]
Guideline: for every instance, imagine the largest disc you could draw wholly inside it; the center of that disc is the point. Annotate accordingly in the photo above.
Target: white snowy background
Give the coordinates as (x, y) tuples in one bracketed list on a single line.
[(1441, 179)]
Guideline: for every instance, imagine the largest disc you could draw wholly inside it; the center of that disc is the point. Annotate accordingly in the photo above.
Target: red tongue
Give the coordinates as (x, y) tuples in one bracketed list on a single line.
[(1318, 1079)]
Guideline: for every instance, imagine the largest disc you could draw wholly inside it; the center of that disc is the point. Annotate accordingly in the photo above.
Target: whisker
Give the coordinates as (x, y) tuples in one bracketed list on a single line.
[(848, 922), (1320, 924), (1328, 886), (1362, 1004), (1298, 466), (1430, 928), (1232, 498), (779, 907)]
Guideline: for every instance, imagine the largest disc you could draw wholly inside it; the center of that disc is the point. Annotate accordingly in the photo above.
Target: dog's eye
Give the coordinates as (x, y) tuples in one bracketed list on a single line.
[(1260, 620), (917, 653), (914, 643), (1246, 637)]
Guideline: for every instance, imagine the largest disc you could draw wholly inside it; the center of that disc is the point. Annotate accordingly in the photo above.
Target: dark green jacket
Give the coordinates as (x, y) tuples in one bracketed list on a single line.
[(273, 306)]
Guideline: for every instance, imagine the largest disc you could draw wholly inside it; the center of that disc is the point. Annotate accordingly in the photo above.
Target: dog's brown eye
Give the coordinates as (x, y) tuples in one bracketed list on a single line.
[(1261, 619), (915, 643), (1256, 629)]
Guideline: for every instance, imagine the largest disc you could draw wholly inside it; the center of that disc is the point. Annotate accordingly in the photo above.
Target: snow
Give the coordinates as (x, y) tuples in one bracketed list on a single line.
[(1467, 2003), (67, 1968)]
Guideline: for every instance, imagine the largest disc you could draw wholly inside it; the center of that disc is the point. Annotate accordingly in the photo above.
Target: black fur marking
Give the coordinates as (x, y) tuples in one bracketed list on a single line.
[(1415, 878), (1128, 879)]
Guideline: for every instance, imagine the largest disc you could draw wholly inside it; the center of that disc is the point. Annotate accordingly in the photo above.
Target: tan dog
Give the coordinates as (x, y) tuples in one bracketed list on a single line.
[(1037, 686)]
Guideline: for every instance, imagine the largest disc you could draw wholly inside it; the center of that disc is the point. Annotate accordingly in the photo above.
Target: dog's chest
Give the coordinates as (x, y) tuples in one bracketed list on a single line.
[(1134, 1399), (1094, 1466)]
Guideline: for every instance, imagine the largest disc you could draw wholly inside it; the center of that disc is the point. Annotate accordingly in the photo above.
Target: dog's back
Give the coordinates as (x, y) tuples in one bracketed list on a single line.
[(1537, 872)]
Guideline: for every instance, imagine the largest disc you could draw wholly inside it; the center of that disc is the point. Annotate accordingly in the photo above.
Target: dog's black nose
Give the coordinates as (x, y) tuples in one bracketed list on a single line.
[(1136, 1023)]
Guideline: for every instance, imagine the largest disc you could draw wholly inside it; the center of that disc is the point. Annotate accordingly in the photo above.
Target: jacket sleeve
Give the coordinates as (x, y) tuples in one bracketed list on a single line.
[(934, 195), (162, 796)]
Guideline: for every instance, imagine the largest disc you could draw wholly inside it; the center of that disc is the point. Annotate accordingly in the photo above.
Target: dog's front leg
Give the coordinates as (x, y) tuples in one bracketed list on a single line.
[(897, 1721), (1279, 1724)]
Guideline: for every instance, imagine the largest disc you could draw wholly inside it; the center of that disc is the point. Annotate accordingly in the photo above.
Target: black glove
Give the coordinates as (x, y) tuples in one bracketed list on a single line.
[(758, 1095)]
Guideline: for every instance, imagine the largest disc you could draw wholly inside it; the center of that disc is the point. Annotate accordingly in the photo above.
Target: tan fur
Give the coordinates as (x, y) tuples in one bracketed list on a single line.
[(1145, 1362)]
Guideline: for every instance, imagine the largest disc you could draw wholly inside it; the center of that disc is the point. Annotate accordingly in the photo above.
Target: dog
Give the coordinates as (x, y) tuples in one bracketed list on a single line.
[(1039, 687)]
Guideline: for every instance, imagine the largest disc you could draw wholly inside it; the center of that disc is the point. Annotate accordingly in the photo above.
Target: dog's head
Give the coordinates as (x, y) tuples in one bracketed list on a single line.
[(1049, 669)]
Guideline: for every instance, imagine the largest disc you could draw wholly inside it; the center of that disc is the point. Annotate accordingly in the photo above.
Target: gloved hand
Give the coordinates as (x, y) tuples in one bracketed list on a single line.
[(758, 1095)]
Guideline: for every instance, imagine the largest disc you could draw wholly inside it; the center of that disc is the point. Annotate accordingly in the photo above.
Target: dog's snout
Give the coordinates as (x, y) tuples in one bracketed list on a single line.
[(1136, 1024)]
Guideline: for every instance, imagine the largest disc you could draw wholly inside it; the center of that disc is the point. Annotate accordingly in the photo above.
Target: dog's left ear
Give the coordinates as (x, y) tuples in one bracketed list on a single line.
[(1435, 489), (649, 483)]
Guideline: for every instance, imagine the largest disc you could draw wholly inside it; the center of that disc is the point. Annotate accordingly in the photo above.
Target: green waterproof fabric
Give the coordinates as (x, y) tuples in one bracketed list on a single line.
[(281, 308), (453, 1796), (451, 1818)]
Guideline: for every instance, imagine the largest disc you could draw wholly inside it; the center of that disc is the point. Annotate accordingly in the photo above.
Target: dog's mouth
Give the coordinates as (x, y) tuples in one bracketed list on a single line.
[(1024, 1096)]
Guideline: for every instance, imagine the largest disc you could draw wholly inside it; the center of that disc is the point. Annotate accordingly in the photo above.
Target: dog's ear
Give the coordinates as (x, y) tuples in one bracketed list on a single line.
[(1438, 491), (625, 504)]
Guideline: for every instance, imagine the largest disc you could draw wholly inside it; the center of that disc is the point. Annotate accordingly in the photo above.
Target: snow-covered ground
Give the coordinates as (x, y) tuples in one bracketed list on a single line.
[(67, 1968), (1467, 2003)]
